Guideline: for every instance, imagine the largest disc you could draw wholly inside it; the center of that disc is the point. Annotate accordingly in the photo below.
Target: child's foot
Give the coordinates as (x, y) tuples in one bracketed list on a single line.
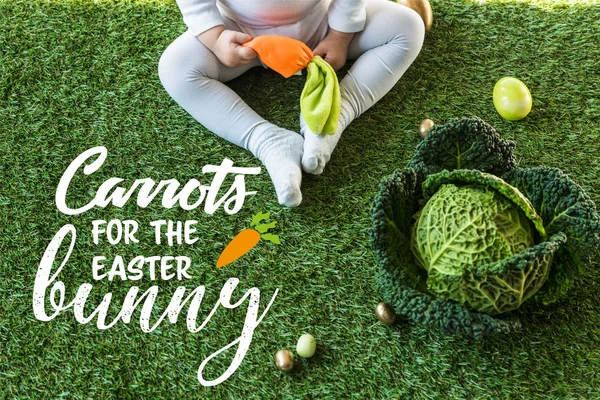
[(317, 148), (280, 151)]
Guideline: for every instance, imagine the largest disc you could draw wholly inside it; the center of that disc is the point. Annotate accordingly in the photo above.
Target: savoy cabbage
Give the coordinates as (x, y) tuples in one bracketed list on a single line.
[(462, 234)]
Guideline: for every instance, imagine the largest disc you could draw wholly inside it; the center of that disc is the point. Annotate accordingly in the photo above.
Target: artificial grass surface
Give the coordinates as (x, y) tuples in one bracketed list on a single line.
[(78, 74)]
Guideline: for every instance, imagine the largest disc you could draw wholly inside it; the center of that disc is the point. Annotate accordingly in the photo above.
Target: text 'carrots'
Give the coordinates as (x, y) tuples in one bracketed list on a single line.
[(244, 241), (239, 245)]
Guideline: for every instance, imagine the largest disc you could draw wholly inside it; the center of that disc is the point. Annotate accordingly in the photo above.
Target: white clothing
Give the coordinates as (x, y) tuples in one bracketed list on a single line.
[(343, 15)]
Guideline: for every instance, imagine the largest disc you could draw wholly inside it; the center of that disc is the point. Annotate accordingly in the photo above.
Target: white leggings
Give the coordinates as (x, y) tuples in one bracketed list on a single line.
[(383, 50)]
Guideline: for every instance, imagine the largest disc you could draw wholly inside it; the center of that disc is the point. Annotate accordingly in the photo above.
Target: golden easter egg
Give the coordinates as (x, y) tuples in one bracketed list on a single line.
[(385, 313), (424, 127), (284, 360)]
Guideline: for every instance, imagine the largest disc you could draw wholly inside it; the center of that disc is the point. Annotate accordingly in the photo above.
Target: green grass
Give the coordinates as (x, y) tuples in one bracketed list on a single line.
[(77, 74)]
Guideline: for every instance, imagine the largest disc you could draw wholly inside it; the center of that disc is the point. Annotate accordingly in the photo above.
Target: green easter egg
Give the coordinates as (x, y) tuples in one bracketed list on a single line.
[(307, 345), (512, 99)]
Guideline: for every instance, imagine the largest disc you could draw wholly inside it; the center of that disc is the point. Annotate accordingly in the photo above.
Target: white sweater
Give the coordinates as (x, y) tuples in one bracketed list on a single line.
[(201, 15)]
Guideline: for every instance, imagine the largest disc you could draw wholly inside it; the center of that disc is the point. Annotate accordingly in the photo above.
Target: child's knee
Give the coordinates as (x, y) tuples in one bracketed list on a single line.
[(410, 30), (184, 61), (166, 68), (393, 24), (417, 27)]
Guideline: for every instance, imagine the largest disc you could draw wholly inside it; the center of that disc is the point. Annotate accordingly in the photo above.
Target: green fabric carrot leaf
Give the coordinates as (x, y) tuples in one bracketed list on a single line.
[(320, 101)]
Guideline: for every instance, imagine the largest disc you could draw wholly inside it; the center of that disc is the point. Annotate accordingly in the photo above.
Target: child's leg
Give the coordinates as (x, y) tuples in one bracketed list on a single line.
[(193, 76), (389, 43)]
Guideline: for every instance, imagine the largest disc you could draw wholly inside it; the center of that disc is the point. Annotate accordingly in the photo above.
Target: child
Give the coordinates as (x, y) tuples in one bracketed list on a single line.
[(383, 37)]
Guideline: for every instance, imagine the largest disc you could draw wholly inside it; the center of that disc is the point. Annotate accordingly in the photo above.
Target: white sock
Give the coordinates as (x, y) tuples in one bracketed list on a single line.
[(280, 151), (318, 147)]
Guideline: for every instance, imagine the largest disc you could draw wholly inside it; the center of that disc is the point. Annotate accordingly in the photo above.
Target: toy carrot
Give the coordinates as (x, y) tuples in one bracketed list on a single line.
[(320, 101), (282, 54), (245, 241)]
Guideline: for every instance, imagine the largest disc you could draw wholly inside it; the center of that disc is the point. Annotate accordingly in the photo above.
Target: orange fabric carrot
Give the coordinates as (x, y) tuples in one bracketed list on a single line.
[(320, 101), (282, 54), (245, 241)]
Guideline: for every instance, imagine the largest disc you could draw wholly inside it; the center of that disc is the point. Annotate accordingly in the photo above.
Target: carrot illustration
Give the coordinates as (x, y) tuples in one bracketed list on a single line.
[(242, 243), (245, 241)]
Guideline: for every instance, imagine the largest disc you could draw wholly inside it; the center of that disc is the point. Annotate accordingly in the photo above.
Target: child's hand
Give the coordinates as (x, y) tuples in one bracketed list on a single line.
[(227, 46), (334, 48), (229, 50)]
